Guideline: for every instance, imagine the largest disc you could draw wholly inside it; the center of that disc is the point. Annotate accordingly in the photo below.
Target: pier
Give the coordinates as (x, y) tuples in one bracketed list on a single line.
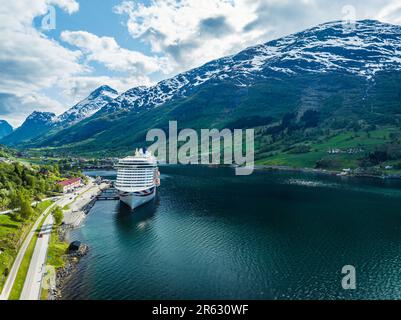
[(110, 194)]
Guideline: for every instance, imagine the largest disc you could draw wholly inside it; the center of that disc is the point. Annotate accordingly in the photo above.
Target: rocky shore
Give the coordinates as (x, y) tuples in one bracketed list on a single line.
[(75, 217), (63, 274), (72, 259)]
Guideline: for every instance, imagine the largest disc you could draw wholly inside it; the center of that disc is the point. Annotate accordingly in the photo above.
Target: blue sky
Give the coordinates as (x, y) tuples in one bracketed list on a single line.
[(124, 43)]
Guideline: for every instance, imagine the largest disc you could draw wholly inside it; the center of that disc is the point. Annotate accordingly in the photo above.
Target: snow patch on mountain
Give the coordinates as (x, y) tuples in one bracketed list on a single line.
[(41, 117), (87, 107)]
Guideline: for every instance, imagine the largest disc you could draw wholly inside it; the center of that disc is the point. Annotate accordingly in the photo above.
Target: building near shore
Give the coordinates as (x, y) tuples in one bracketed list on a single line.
[(70, 185)]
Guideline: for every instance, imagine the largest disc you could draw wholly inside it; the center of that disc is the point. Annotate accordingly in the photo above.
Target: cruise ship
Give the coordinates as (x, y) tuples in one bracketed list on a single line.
[(138, 177)]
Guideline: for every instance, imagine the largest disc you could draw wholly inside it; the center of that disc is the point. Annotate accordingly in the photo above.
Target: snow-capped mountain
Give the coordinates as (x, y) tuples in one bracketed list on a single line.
[(87, 107), (35, 125), (369, 47), (39, 118), (41, 123), (340, 75)]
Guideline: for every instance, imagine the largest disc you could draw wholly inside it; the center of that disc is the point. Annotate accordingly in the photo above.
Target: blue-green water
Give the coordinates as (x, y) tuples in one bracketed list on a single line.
[(212, 235)]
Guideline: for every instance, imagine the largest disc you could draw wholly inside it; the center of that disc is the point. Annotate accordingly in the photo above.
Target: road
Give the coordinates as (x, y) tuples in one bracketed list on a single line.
[(75, 215), (21, 253), (33, 280)]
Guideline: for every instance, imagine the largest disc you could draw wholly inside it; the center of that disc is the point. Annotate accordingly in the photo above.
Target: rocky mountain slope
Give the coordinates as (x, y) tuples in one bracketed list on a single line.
[(35, 125)]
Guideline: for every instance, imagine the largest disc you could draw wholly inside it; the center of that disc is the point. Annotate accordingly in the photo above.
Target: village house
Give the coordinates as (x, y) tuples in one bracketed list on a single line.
[(349, 151), (70, 185)]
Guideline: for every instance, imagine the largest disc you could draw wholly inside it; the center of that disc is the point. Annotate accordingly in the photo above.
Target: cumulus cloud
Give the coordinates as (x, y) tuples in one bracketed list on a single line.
[(391, 13), (29, 61), (105, 50), (32, 64), (188, 32), (14, 108)]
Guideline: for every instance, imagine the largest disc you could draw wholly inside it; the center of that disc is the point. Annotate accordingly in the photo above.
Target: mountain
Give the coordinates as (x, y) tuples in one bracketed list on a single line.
[(40, 124), (87, 107), (5, 129), (325, 78), (320, 50), (35, 125)]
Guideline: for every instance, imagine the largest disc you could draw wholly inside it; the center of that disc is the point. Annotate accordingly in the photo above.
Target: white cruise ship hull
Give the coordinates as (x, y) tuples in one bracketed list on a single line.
[(136, 199)]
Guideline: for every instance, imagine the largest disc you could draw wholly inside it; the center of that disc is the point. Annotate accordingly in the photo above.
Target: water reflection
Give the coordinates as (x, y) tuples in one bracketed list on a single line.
[(128, 220)]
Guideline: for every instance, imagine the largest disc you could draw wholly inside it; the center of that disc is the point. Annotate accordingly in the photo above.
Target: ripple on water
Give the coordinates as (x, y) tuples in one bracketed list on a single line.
[(268, 236)]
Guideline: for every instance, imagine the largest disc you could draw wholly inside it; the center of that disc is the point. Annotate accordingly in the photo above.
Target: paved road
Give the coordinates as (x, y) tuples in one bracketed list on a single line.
[(37, 268), (21, 253), (33, 281), (17, 263), (75, 215)]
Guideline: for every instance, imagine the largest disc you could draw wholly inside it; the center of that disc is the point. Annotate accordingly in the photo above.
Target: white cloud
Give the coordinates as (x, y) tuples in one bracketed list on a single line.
[(391, 13), (29, 61), (106, 51), (189, 33), (15, 108), (79, 87)]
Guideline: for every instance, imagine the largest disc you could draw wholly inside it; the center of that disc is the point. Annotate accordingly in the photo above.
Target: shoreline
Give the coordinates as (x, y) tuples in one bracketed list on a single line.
[(74, 219), (327, 172)]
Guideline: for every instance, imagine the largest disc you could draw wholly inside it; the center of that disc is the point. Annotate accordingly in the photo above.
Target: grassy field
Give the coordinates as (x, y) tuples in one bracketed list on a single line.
[(12, 234), (55, 256), (343, 141), (57, 250), (23, 270)]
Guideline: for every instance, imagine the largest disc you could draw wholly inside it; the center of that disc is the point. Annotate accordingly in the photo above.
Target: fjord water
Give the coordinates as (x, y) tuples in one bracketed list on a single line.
[(272, 235)]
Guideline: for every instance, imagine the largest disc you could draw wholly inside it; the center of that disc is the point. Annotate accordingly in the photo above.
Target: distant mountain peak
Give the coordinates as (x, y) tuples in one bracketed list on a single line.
[(41, 123), (88, 107), (103, 90), (41, 116), (5, 129), (4, 122), (36, 124)]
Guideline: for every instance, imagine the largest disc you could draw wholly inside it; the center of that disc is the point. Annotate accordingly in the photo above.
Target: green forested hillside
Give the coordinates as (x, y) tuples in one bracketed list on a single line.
[(18, 182), (304, 113), (22, 187)]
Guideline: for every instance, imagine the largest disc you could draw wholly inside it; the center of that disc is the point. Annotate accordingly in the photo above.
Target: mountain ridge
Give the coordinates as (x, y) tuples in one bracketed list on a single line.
[(272, 51), (345, 77), (39, 124)]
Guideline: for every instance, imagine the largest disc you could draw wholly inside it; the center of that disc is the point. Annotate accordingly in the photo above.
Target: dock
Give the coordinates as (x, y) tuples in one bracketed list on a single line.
[(110, 194), (76, 214)]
